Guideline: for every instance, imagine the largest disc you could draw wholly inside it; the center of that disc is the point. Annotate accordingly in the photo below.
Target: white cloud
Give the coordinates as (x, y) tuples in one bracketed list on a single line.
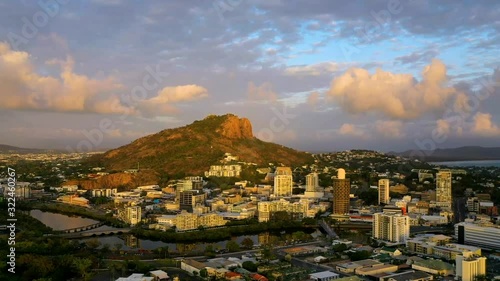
[(393, 95), (484, 126), (312, 69)]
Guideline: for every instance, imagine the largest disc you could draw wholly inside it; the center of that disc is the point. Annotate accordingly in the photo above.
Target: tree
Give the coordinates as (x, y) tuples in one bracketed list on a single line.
[(93, 244), (250, 266), (288, 257), (232, 246), (118, 247), (204, 273), (480, 278), (247, 243), (82, 265)]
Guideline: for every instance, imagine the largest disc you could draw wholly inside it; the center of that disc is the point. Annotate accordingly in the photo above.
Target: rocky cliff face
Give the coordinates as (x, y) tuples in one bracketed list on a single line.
[(236, 128)]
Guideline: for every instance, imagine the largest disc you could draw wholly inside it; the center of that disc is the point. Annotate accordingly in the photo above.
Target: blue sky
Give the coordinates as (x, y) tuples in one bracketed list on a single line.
[(376, 74)]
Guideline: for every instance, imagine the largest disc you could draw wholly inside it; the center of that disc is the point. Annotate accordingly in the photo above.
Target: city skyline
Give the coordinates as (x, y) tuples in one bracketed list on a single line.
[(386, 75)]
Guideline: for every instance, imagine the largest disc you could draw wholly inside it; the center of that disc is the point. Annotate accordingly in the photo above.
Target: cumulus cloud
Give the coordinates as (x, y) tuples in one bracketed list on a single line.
[(313, 99), (264, 92), (23, 88), (389, 129), (443, 127), (398, 96), (348, 129), (163, 102), (484, 126)]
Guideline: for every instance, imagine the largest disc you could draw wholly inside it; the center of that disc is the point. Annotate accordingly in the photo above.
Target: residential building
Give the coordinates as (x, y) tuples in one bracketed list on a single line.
[(443, 189), (383, 191), (297, 210), (324, 276), (283, 181), (312, 182), (480, 235), (189, 221), (186, 221), (131, 215), (341, 192), (391, 227), (192, 266), (136, 277), (223, 171), (470, 266)]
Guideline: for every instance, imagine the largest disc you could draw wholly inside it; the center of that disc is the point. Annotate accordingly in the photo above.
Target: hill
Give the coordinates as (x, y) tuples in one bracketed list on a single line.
[(14, 149), (193, 148), (458, 154)]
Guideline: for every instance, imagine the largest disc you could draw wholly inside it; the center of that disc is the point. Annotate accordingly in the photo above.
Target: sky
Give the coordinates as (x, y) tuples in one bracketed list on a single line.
[(315, 75)]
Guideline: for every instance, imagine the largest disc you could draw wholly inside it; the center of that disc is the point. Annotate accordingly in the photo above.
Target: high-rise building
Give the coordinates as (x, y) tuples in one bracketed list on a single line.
[(312, 182), (341, 192), (383, 191), (283, 181), (443, 189), (470, 266), (391, 227), (190, 198)]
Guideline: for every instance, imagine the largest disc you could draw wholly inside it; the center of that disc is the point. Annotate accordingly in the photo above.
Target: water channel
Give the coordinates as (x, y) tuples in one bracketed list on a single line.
[(129, 242)]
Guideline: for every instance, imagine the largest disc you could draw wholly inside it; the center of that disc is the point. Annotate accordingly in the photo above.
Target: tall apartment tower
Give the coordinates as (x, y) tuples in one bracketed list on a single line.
[(341, 192), (312, 182), (383, 191), (283, 181), (443, 189), (391, 227)]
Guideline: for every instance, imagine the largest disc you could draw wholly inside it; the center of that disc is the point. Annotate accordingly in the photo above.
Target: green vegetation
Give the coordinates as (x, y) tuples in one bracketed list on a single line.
[(219, 234)]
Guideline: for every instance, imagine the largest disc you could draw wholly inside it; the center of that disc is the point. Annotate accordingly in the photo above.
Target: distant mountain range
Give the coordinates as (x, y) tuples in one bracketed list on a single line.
[(465, 153), (14, 149), (193, 148)]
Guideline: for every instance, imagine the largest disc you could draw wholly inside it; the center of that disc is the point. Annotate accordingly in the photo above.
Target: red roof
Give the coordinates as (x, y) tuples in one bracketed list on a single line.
[(232, 274), (259, 277)]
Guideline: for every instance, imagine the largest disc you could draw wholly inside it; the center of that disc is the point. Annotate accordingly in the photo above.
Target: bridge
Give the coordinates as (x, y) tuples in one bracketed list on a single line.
[(331, 233), (82, 228), (95, 233)]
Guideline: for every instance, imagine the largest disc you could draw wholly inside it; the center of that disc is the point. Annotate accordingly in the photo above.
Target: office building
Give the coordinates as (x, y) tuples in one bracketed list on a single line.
[(341, 192), (283, 181), (391, 227), (383, 191), (480, 235), (443, 189), (190, 198), (470, 266)]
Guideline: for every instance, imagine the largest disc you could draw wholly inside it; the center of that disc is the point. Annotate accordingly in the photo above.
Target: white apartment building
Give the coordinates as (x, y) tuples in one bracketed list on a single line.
[(391, 227), (383, 191), (283, 181), (223, 171), (470, 266), (130, 215), (266, 208)]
